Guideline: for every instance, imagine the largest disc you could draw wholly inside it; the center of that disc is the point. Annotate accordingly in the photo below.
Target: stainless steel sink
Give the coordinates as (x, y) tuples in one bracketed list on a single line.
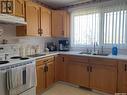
[(85, 53), (4, 62), (101, 54)]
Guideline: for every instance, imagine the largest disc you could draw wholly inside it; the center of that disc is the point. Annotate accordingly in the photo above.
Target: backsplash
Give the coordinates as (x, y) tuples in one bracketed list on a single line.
[(15, 43)]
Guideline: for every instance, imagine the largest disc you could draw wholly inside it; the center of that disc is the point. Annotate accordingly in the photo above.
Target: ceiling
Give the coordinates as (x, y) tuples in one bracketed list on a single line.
[(62, 3)]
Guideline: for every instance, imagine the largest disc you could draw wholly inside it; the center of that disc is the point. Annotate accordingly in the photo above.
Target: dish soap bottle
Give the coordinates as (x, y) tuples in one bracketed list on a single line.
[(114, 50)]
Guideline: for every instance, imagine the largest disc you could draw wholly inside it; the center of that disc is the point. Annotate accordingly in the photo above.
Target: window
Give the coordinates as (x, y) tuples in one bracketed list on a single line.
[(86, 29), (114, 27), (105, 27)]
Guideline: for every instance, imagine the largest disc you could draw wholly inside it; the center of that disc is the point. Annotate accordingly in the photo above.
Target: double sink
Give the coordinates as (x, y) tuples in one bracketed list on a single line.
[(85, 53)]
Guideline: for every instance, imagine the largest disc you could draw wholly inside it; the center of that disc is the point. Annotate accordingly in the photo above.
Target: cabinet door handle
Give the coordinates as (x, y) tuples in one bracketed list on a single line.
[(45, 69), (63, 59), (88, 68), (125, 67), (91, 69)]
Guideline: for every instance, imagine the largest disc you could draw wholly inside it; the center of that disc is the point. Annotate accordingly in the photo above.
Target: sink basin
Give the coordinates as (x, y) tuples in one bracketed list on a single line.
[(101, 54), (4, 62), (36, 55), (93, 54), (84, 53)]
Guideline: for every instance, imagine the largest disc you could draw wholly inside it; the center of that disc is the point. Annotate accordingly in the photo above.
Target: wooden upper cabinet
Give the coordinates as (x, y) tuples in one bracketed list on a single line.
[(103, 75), (60, 23), (18, 8), (38, 20), (45, 24), (32, 19), (122, 77)]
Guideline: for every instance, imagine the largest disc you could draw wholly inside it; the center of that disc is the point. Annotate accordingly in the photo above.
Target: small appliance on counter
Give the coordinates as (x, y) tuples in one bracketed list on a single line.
[(52, 46), (64, 45)]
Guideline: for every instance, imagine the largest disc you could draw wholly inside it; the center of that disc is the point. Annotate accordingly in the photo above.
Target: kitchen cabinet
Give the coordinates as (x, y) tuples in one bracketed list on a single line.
[(45, 73), (77, 71), (45, 22), (103, 75), (50, 74), (60, 23), (60, 67), (95, 73), (18, 8), (32, 19), (41, 76), (122, 77), (38, 20)]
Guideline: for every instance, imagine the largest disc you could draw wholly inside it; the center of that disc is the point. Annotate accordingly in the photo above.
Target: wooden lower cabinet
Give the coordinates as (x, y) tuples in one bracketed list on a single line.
[(50, 74), (122, 77), (60, 68), (41, 77), (45, 74), (95, 73), (77, 73), (103, 78)]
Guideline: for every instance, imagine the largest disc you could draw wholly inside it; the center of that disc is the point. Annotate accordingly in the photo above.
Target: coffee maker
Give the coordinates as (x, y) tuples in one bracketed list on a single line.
[(64, 45)]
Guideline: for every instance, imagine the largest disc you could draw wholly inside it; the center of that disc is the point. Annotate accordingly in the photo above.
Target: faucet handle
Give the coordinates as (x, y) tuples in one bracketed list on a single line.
[(6, 55)]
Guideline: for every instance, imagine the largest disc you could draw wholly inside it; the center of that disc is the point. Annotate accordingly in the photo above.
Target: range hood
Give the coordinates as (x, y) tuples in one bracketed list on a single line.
[(9, 19)]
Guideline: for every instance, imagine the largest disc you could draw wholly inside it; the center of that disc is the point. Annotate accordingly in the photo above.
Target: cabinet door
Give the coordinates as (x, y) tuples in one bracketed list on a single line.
[(57, 24), (103, 78), (77, 73), (45, 21), (122, 77), (19, 8), (41, 77), (50, 76), (32, 18), (60, 23), (60, 68)]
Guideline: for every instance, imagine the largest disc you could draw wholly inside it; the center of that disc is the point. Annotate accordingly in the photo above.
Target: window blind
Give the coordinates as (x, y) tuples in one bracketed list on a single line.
[(115, 27), (104, 25), (86, 29)]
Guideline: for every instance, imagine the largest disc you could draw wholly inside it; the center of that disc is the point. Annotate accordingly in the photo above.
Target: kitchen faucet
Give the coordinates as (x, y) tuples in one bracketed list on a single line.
[(95, 44), (6, 55)]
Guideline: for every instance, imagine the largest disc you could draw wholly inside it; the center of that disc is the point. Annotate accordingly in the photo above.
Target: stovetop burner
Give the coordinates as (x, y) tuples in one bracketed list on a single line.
[(19, 57), (16, 57), (23, 58)]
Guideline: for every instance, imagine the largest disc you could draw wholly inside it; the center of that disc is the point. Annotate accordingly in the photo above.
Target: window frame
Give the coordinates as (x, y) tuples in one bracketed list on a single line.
[(101, 32)]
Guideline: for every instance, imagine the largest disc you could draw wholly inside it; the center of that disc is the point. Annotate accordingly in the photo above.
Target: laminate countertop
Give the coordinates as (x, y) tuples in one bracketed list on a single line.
[(76, 53)]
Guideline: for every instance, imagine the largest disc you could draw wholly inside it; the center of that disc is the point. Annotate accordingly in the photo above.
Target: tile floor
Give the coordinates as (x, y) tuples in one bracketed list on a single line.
[(64, 89)]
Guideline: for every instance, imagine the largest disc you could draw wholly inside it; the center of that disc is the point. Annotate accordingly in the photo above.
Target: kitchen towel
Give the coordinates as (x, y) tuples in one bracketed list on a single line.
[(3, 88), (14, 77)]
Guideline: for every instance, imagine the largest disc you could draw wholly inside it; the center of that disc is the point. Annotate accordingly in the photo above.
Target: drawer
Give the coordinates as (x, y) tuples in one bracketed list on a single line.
[(80, 59), (45, 60), (39, 62), (103, 61), (122, 62), (48, 59)]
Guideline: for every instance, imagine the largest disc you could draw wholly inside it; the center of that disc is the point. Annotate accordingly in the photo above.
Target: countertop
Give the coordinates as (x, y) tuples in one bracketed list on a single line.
[(77, 53)]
